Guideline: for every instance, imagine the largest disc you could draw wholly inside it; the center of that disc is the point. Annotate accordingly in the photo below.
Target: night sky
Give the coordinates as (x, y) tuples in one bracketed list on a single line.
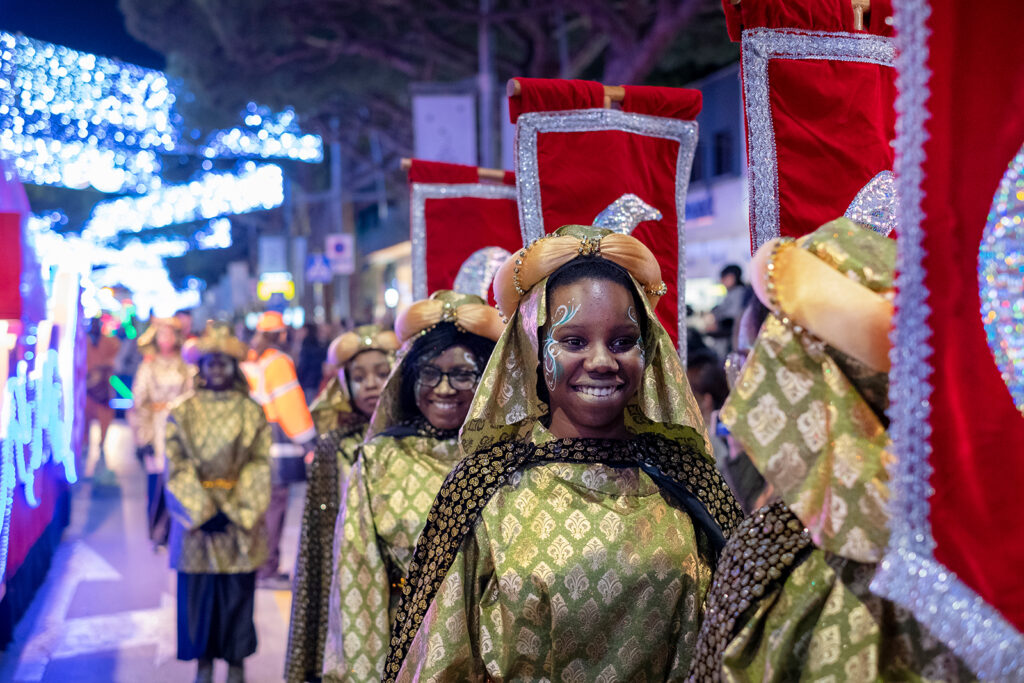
[(88, 25)]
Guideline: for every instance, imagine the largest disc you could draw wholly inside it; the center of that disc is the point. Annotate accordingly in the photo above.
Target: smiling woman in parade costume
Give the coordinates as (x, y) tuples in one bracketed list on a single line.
[(411, 446), (577, 538), (342, 412), (791, 598), (218, 488)]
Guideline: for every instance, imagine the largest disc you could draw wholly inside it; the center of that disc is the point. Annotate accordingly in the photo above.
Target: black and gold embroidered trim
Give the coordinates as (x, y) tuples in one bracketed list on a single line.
[(473, 482), (762, 552), (307, 633), (419, 426)]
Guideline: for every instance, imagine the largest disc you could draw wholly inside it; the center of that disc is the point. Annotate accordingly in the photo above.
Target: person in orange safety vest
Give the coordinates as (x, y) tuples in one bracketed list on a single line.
[(274, 385)]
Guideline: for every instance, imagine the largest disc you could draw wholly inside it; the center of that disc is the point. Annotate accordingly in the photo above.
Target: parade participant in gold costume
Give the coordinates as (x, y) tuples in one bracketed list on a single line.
[(577, 538), (411, 446), (791, 598), (362, 359), (218, 488), (162, 377)]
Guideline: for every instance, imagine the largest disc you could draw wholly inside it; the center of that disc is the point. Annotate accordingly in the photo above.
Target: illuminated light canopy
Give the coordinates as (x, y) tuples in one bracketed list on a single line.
[(76, 119), (210, 196)]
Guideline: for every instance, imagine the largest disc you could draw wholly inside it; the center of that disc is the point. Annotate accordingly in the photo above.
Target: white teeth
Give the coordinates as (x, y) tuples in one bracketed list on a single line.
[(445, 405), (599, 392)]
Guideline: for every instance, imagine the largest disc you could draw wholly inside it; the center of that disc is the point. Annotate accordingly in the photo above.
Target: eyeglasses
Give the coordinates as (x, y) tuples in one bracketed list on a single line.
[(460, 380)]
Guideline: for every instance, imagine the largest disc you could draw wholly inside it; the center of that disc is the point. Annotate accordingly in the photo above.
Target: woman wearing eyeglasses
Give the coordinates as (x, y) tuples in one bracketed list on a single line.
[(362, 360), (411, 446)]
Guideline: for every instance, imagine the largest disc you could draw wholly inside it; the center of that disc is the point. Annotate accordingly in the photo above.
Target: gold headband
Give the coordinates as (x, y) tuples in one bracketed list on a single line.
[(543, 257), (467, 312), (362, 338)]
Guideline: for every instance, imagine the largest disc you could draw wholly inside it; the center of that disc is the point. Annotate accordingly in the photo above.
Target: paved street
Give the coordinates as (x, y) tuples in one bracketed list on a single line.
[(107, 610)]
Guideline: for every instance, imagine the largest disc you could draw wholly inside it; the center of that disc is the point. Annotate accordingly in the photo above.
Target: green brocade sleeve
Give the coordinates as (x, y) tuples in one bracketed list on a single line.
[(821, 625), (248, 500), (359, 627), (187, 500)]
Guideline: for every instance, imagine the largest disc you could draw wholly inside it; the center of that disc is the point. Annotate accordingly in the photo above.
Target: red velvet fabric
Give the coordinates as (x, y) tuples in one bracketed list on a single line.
[(832, 120), (672, 103), (811, 15), (582, 173), (550, 94), (10, 266), (439, 172), (458, 226), (27, 523), (975, 129)]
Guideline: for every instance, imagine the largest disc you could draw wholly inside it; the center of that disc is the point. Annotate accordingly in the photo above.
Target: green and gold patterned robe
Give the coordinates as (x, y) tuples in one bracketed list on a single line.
[(218, 460), (389, 492), (791, 599), (573, 569), (333, 457)]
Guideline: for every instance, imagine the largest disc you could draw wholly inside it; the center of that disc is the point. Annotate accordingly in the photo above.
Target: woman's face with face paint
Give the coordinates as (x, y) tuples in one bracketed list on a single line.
[(592, 357), (366, 374)]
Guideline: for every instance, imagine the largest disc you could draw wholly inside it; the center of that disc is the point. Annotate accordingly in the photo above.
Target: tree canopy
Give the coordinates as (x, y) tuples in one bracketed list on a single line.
[(346, 66)]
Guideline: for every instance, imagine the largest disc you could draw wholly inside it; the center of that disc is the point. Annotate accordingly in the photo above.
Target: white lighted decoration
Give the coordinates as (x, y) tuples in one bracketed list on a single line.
[(76, 119), (212, 195)]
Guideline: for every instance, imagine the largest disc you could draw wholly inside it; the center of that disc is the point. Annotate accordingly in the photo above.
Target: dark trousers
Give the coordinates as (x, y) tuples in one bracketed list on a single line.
[(159, 518), (275, 525), (215, 616)]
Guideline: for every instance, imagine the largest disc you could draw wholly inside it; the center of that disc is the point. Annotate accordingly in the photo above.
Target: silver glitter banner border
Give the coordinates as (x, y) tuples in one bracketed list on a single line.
[(909, 574), (760, 45), (421, 192), (529, 125)]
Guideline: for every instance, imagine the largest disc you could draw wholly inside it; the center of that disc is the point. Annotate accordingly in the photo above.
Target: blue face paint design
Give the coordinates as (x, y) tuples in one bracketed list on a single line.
[(631, 313), (552, 369)]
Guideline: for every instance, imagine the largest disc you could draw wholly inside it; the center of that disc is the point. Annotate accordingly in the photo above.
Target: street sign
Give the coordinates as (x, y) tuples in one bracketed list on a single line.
[(318, 269), (341, 252)]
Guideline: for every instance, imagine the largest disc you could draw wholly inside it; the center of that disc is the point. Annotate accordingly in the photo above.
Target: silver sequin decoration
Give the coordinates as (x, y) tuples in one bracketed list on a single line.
[(1001, 279), (625, 213), (875, 205), (909, 575), (477, 272), (421, 192), (761, 45), (529, 125)]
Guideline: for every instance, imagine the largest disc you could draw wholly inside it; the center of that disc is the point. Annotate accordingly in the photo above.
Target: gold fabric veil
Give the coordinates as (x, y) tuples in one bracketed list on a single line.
[(811, 418), (506, 405), (468, 312)]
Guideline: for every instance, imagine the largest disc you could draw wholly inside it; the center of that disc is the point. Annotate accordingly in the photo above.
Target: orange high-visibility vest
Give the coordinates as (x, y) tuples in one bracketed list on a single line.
[(274, 385)]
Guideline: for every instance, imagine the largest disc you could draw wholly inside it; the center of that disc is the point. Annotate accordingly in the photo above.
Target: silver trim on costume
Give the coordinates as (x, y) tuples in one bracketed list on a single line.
[(530, 124), (909, 574), (759, 46), (421, 192)]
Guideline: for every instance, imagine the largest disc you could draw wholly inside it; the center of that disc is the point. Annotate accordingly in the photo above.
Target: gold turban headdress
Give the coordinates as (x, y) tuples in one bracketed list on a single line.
[(507, 406), (218, 338), (467, 312), (334, 398), (536, 261), (148, 338)]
